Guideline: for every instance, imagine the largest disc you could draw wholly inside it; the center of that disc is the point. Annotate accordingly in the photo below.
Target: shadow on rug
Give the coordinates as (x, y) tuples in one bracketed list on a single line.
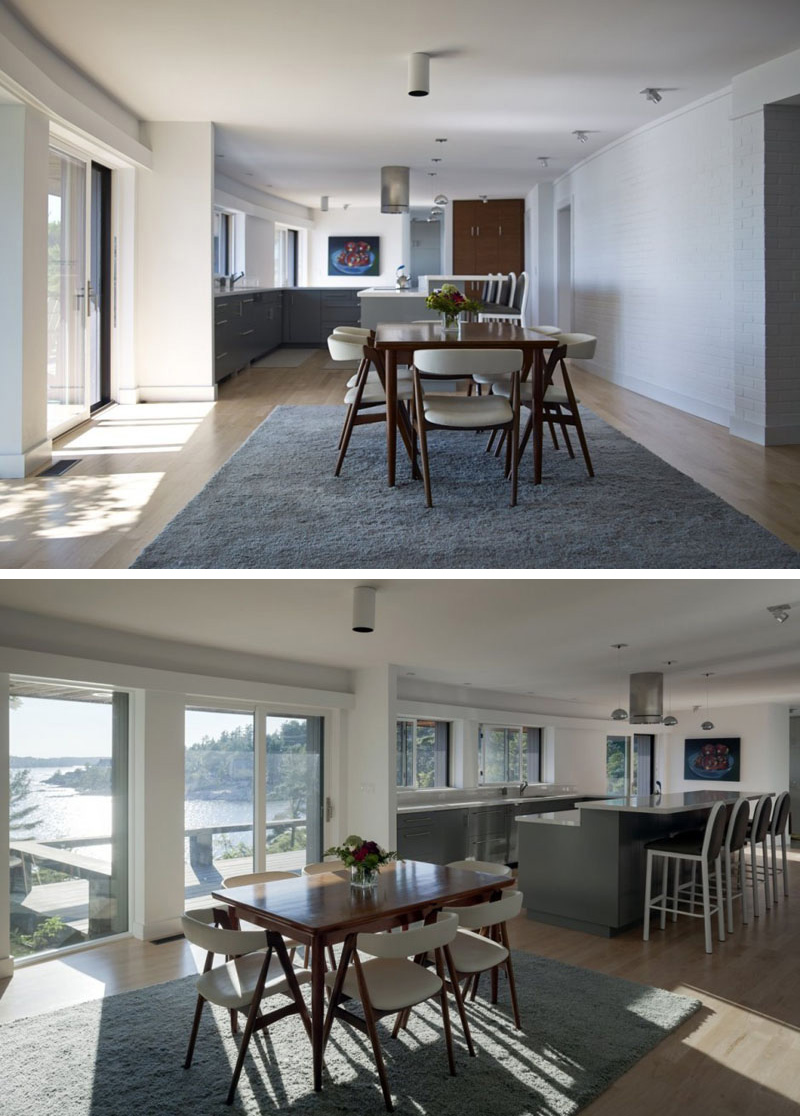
[(123, 1056), (276, 505)]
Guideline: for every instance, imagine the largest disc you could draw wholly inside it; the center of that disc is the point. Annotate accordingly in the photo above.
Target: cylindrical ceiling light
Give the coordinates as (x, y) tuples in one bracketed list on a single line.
[(419, 80), (364, 608), (394, 189), (323, 203)]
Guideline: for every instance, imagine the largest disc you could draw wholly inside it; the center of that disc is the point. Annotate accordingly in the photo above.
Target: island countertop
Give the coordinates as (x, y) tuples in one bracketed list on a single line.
[(669, 803)]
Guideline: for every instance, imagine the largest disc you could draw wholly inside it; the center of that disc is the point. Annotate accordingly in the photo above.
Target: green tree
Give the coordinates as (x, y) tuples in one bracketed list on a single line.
[(22, 817)]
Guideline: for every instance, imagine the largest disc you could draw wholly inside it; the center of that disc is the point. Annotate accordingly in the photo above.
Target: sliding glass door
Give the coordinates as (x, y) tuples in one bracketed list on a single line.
[(78, 288), (68, 816), (248, 771)]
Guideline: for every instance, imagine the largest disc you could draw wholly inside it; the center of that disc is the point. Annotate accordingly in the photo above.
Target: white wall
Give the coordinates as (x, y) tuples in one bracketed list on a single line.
[(539, 246), (174, 266), (24, 139), (362, 224), (259, 251), (653, 259), (764, 732), (371, 747)]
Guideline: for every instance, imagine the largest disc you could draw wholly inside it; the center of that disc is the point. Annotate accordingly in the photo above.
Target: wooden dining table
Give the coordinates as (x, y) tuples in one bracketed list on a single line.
[(403, 339), (322, 909)]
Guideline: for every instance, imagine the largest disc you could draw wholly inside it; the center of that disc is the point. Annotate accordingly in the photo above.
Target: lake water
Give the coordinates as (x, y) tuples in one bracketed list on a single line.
[(61, 813)]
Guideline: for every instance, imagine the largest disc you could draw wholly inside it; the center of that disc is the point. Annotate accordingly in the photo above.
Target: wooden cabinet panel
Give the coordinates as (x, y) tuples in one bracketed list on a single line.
[(488, 236)]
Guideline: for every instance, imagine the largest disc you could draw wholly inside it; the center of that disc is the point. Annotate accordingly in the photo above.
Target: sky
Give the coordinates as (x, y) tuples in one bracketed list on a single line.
[(46, 728)]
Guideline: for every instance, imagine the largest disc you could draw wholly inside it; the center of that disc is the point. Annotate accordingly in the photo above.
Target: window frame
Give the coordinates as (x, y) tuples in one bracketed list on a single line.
[(530, 746), (632, 765), (442, 752)]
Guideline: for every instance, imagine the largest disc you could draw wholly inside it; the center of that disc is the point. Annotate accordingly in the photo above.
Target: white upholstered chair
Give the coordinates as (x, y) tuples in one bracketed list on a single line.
[(481, 866), (465, 412), (515, 311), (252, 974), (332, 865), (390, 983)]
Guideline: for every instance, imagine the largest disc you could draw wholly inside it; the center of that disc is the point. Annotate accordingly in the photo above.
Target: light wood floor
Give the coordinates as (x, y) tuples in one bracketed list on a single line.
[(140, 465), (739, 1055)]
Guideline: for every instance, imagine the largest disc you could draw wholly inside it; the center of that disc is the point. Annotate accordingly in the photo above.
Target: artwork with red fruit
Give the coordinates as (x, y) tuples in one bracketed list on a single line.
[(713, 759), (353, 255)]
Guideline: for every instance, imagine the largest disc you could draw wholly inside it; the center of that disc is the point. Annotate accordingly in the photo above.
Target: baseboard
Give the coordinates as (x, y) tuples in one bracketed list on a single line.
[(31, 461), (690, 406), (128, 397), (749, 431), (6, 967), (148, 931), (178, 393)]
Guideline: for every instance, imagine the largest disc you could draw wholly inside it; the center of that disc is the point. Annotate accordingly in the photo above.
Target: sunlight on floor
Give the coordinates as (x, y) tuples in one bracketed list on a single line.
[(770, 1042), (140, 428), (72, 507)]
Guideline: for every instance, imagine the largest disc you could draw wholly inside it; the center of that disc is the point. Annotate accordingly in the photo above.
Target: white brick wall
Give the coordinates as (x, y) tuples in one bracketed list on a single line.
[(782, 272), (653, 253)]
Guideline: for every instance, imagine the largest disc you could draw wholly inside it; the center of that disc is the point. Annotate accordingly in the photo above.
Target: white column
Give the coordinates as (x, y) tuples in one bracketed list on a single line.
[(24, 141), (6, 962), (371, 747), (174, 263), (157, 815)]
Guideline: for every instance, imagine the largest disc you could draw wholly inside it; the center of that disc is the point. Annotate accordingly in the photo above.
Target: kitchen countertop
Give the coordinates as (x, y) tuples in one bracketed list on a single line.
[(390, 292), (669, 803), (562, 817), (499, 801)]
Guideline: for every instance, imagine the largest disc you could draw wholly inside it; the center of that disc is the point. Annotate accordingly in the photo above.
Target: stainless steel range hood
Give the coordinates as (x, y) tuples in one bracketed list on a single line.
[(646, 698)]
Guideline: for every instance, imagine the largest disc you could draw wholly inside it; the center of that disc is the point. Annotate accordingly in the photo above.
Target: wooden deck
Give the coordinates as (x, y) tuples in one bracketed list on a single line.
[(69, 900)]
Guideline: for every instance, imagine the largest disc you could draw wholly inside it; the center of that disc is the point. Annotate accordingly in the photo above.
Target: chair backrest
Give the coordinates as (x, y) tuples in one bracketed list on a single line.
[(352, 331), (549, 331), (257, 877), (521, 293), (780, 813), (345, 347), (761, 818), (715, 831), (323, 866), (736, 833), (580, 346), (410, 942), (455, 363), (485, 290), (503, 287), (554, 358), (512, 288), (488, 914), (481, 866), (199, 929), (491, 290)]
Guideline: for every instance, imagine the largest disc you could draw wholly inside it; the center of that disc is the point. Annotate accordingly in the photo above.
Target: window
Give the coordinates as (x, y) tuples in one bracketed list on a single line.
[(630, 765), (510, 755), (223, 243), (69, 815), (286, 257), (423, 753)]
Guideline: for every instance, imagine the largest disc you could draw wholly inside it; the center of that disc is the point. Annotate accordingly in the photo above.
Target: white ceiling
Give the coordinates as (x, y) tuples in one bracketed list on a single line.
[(550, 637), (310, 96)]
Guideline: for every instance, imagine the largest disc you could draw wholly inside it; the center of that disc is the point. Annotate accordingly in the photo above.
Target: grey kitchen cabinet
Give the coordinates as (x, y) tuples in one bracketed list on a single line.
[(488, 832), (339, 308), (302, 322), (436, 836), (246, 326)]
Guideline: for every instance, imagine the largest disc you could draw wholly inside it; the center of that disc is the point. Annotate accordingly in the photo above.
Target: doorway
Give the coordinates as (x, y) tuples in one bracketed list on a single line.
[(78, 289), (426, 248), (564, 268)]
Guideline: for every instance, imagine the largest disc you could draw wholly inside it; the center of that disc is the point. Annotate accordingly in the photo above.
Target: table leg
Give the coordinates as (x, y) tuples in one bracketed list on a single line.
[(317, 1009), (391, 414), (538, 414)]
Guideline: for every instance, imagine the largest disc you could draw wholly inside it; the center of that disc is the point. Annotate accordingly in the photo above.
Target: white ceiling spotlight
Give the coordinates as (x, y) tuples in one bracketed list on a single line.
[(653, 92), (419, 75), (544, 160), (484, 198), (364, 608), (581, 136), (779, 612), (324, 202), (394, 189)]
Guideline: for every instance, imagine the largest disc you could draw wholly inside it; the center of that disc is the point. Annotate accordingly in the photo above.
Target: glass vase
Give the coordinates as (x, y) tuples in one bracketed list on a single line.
[(450, 323), (363, 878)]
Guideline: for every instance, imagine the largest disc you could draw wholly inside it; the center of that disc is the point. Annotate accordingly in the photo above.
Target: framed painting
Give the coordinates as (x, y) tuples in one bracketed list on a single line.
[(354, 255), (713, 759)]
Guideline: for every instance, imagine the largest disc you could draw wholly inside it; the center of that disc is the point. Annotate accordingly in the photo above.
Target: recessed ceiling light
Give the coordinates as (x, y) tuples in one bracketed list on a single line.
[(544, 160), (431, 174), (436, 160), (580, 136), (443, 139)]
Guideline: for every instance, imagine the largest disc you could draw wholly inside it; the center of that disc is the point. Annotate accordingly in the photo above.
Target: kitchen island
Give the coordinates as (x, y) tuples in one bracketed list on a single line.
[(584, 869), (387, 304)]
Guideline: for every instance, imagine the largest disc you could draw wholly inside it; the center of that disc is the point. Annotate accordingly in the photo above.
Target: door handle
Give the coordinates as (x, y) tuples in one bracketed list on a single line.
[(328, 808)]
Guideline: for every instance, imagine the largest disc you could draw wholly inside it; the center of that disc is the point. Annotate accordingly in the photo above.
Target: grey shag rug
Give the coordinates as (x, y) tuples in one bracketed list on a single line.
[(123, 1056), (277, 505)]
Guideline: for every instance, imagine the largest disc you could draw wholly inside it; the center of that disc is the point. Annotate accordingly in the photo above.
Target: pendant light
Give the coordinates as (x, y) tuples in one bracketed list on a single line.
[(707, 724), (619, 714), (669, 720), (394, 190)]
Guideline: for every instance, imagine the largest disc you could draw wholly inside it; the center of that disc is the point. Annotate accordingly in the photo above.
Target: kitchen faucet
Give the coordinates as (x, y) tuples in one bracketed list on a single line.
[(522, 787), (235, 278)]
